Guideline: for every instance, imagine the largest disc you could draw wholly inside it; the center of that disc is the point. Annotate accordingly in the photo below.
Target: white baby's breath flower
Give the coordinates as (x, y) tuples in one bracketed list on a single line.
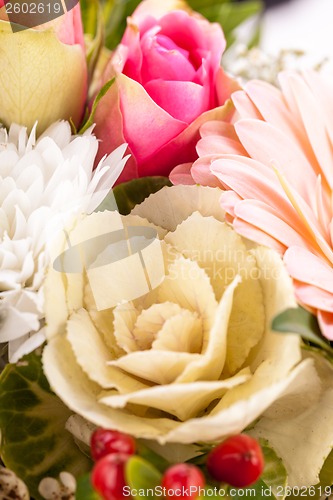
[(43, 184), (254, 63)]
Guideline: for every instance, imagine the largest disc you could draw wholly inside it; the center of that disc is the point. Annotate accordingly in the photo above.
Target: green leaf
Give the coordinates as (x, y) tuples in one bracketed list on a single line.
[(275, 474), (298, 320), (93, 24), (85, 490), (89, 10), (90, 121), (141, 475), (131, 193), (198, 5), (254, 40), (151, 456), (229, 15), (115, 15), (95, 45), (34, 442), (326, 473)]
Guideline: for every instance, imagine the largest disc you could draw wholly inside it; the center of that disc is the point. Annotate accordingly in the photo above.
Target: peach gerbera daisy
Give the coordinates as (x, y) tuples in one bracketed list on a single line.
[(276, 164)]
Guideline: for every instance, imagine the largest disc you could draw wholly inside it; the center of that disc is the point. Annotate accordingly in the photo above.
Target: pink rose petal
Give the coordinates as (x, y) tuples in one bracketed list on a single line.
[(163, 61), (140, 113), (184, 101)]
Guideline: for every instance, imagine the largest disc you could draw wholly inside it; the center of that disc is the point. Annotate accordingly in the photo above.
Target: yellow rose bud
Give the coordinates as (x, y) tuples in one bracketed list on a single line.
[(43, 72)]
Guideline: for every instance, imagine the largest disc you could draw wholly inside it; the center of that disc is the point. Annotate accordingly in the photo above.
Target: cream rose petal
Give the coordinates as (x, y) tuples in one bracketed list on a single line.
[(210, 364), (125, 316), (282, 351), (169, 207), (150, 322), (103, 321), (236, 417), (191, 384), (277, 354), (223, 255), (93, 355), (59, 288), (181, 333), (303, 441), (137, 331), (182, 400), (247, 320), (162, 367), (188, 285), (97, 224), (81, 395), (135, 220), (68, 289)]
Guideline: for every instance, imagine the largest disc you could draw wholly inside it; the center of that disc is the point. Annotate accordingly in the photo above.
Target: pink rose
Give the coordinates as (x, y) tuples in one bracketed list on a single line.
[(43, 71), (168, 82)]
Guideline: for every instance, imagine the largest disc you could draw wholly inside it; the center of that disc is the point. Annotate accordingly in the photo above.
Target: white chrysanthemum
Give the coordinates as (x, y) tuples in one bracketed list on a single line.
[(43, 183)]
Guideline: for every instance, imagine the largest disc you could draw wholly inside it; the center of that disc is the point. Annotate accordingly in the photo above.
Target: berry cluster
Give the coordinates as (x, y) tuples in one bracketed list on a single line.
[(237, 461)]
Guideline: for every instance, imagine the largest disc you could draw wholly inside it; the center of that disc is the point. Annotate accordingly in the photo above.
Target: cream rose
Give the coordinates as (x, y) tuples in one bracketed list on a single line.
[(192, 360)]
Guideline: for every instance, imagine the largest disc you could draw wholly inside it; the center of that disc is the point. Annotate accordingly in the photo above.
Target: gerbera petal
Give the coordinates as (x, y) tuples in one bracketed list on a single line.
[(269, 101), (254, 180), (315, 127), (257, 235), (182, 174), (313, 297), (325, 320), (265, 143), (219, 128), (268, 219), (280, 192), (201, 171), (321, 87), (245, 106), (215, 144), (229, 200), (306, 267)]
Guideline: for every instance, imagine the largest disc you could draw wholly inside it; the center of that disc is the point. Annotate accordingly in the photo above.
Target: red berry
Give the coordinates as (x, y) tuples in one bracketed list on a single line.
[(237, 461), (183, 481), (108, 476), (105, 441)]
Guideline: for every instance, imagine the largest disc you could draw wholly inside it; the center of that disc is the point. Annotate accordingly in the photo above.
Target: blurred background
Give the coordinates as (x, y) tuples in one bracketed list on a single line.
[(299, 24)]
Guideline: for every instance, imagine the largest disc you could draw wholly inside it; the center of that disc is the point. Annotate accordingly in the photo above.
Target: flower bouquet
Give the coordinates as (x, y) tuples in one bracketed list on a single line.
[(166, 253)]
